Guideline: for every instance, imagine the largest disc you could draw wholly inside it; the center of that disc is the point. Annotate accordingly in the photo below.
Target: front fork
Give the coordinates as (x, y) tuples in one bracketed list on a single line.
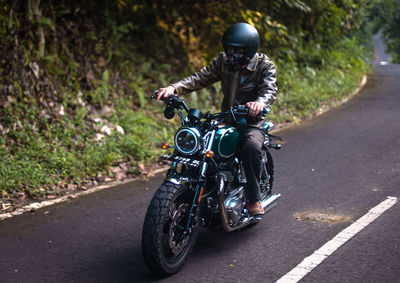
[(199, 189), (199, 183)]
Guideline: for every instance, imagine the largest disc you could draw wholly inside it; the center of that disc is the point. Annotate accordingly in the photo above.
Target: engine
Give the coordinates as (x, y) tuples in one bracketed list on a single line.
[(234, 205)]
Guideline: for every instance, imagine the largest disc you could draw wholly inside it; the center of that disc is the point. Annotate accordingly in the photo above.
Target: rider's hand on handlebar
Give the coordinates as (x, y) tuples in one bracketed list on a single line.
[(255, 108), (165, 92)]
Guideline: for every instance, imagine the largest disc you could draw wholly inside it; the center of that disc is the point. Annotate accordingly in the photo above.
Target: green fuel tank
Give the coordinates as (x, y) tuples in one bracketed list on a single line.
[(225, 142)]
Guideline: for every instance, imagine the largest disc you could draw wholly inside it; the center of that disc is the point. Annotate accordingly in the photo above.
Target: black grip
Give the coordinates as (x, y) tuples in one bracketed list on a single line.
[(154, 96), (244, 110)]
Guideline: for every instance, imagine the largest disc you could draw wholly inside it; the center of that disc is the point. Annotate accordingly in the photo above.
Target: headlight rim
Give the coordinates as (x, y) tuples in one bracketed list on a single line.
[(195, 132)]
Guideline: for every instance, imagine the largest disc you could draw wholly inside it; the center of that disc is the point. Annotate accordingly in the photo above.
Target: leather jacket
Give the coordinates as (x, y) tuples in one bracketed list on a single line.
[(256, 82)]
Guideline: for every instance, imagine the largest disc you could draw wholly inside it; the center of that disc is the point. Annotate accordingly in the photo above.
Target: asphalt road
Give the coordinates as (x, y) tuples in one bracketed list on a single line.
[(343, 163)]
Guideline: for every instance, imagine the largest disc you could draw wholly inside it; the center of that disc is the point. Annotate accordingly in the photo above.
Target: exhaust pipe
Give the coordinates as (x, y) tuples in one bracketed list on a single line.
[(270, 202), (267, 204)]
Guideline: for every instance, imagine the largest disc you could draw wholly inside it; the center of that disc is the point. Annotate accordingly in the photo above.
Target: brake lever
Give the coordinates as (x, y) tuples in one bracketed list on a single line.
[(233, 114), (154, 95)]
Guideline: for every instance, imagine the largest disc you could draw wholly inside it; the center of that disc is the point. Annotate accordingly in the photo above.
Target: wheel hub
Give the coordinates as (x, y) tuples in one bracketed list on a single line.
[(177, 236)]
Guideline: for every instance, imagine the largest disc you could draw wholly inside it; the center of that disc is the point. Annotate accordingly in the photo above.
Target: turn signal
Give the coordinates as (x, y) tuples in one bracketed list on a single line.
[(165, 145), (209, 153)]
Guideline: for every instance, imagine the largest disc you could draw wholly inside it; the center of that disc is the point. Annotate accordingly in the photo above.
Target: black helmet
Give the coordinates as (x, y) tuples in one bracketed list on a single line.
[(242, 35)]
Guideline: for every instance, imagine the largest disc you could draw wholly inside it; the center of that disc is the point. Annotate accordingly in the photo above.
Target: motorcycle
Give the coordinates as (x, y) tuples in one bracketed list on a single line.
[(204, 186)]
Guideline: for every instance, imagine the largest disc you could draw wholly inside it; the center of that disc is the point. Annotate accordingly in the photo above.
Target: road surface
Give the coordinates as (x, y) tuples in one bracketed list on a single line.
[(337, 166)]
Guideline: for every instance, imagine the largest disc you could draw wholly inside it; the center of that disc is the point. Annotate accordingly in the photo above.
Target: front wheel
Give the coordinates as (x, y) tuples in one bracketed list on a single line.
[(165, 242)]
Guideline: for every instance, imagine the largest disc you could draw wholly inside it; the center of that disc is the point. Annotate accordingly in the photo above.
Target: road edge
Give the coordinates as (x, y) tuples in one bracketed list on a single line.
[(38, 205)]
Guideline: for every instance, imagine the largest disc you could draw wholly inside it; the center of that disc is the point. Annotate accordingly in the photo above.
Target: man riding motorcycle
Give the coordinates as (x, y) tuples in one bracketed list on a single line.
[(247, 77)]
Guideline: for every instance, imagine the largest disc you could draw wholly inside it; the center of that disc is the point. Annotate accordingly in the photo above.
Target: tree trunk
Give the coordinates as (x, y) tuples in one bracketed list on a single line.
[(37, 13)]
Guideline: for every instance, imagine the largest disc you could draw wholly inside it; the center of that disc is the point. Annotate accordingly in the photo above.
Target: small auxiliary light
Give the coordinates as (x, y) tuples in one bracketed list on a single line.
[(165, 145), (209, 153)]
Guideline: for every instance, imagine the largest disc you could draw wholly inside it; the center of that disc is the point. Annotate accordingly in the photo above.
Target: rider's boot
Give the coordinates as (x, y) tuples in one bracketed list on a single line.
[(255, 208)]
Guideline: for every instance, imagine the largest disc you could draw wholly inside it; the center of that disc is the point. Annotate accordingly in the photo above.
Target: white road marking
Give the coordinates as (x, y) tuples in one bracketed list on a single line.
[(312, 261)]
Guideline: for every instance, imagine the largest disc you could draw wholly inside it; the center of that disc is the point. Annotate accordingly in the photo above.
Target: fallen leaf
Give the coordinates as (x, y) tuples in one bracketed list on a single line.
[(120, 175), (124, 166), (71, 187), (120, 130), (116, 169), (101, 62), (62, 183), (5, 206), (106, 130), (20, 195), (141, 166), (35, 69)]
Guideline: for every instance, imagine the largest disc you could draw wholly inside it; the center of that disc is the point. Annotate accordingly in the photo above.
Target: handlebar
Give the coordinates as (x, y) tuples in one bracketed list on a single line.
[(172, 101), (243, 109), (238, 111)]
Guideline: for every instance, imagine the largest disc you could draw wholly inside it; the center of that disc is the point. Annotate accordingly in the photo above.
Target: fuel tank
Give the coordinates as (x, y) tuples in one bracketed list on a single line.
[(225, 142)]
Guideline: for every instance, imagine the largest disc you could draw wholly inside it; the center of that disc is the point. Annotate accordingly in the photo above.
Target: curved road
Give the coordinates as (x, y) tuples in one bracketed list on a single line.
[(342, 163)]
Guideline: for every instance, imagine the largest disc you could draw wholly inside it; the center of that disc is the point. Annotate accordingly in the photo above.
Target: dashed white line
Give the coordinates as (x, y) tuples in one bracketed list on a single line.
[(312, 261)]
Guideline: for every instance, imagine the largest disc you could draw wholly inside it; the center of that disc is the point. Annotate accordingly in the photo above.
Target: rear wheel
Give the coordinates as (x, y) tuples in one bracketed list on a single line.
[(267, 177), (165, 243)]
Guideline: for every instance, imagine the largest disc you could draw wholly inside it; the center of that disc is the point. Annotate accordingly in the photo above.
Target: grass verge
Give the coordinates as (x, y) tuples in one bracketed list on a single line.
[(44, 156)]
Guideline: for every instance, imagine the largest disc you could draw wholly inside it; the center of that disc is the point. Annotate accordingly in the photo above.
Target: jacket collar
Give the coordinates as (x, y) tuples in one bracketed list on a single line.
[(253, 63)]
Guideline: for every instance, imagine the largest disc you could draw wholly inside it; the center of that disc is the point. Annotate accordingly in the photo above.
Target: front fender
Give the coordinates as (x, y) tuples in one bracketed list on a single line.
[(178, 180)]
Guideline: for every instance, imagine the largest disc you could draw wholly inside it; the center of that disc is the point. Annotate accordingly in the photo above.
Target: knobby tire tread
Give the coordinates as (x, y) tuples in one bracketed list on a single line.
[(153, 226)]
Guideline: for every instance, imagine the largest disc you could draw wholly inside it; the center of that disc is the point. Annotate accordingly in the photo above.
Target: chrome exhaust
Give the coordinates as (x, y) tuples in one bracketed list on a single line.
[(267, 204), (270, 201)]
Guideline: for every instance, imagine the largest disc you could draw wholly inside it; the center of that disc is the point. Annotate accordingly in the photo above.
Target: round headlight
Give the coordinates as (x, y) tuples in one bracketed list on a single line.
[(187, 140)]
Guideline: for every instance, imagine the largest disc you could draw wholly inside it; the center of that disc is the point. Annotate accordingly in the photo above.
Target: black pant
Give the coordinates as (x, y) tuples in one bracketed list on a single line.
[(251, 142)]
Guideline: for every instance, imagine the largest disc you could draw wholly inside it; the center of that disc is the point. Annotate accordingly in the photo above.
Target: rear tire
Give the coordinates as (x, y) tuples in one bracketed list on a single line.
[(165, 246), (267, 177)]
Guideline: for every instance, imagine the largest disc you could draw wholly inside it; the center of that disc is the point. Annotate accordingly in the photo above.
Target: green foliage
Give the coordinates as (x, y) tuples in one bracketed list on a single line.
[(142, 133), (41, 158), (306, 89), (100, 94), (64, 63), (387, 18)]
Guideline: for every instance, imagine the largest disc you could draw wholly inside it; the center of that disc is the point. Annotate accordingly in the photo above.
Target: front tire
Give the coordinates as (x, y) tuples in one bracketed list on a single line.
[(165, 244)]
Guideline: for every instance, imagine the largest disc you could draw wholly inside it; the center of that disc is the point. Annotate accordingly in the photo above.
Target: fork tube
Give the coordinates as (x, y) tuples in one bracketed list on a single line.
[(196, 193), (200, 181), (172, 169), (194, 205)]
